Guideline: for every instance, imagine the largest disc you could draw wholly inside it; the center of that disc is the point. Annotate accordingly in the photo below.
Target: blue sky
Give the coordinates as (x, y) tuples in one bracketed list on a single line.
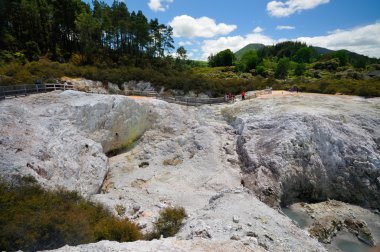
[(209, 26)]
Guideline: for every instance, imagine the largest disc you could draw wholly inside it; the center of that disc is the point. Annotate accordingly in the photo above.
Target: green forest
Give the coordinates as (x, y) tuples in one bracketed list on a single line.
[(48, 39), (73, 30)]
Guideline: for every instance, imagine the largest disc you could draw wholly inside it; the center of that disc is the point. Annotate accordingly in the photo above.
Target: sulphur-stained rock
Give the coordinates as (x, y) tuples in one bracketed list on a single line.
[(84, 85), (60, 138), (360, 228), (332, 217), (325, 229)]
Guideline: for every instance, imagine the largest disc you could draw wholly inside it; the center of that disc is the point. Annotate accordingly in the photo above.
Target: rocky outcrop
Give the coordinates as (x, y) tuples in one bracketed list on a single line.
[(291, 148), (237, 215), (311, 148), (164, 245), (60, 138), (84, 85), (189, 159), (138, 86)]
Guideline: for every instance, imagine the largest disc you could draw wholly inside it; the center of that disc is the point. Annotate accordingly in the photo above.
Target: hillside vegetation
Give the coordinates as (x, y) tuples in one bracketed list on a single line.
[(45, 40)]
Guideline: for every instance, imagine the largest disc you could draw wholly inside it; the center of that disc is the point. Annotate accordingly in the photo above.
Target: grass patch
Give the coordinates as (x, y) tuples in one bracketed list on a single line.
[(32, 218)]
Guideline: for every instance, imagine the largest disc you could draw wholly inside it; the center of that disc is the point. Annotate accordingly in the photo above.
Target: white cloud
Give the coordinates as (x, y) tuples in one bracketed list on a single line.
[(234, 43), (258, 29), (186, 26), (285, 27), (364, 40), (185, 43), (284, 9), (158, 5)]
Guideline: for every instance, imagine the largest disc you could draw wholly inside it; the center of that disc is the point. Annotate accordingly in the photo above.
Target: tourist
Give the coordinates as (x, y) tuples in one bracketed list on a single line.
[(243, 95)]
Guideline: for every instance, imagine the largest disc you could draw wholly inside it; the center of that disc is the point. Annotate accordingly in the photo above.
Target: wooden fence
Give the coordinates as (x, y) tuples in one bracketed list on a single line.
[(24, 90), (140, 93), (192, 101)]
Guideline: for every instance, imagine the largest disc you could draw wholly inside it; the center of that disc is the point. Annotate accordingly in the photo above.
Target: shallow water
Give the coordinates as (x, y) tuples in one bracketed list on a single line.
[(375, 228), (303, 220), (343, 242), (350, 246), (347, 242)]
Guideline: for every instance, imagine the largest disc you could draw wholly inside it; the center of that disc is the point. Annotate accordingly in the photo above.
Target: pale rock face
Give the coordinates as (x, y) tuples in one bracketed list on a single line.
[(183, 161), (60, 138), (311, 147), (138, 85), (85, 85), (165, 245), (190, 157)]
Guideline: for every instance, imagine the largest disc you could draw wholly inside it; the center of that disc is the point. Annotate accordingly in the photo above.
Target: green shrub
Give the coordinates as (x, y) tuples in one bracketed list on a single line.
[(112, 229), (168, 223), (32, 218)]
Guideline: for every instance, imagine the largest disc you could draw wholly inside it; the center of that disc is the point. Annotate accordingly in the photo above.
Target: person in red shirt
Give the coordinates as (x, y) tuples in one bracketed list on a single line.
[(243, 95)]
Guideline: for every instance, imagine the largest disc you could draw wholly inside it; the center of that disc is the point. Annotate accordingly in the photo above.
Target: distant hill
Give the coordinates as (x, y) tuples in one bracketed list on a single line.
[(255, 47), (247, 48), (321, 50)]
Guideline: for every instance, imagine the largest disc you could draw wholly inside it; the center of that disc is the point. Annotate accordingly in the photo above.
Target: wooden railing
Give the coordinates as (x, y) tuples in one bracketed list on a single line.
[(192, 101), (141, 93), (24, 90)]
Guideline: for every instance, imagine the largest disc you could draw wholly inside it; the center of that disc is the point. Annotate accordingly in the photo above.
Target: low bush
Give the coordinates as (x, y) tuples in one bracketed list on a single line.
[(168, 223), (32, 218)]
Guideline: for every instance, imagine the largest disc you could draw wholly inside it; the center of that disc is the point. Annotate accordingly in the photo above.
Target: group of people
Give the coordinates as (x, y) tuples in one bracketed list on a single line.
[(230, 97)]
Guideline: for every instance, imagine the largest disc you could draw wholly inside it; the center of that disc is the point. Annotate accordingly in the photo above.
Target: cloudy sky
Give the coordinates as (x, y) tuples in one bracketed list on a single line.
[(208, 26)]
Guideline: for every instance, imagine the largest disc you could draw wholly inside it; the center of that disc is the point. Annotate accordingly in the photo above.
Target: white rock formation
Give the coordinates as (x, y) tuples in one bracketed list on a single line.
[(187, 157), (167, 245), (311, 147), (89, 86), (61, 138)]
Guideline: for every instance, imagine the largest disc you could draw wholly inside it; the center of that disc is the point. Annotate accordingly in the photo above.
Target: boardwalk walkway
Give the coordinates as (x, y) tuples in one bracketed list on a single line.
[(24, 90)]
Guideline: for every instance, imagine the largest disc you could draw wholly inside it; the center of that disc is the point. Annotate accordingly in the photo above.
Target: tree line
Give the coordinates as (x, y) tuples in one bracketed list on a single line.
[(64, 29), (278, 59)]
